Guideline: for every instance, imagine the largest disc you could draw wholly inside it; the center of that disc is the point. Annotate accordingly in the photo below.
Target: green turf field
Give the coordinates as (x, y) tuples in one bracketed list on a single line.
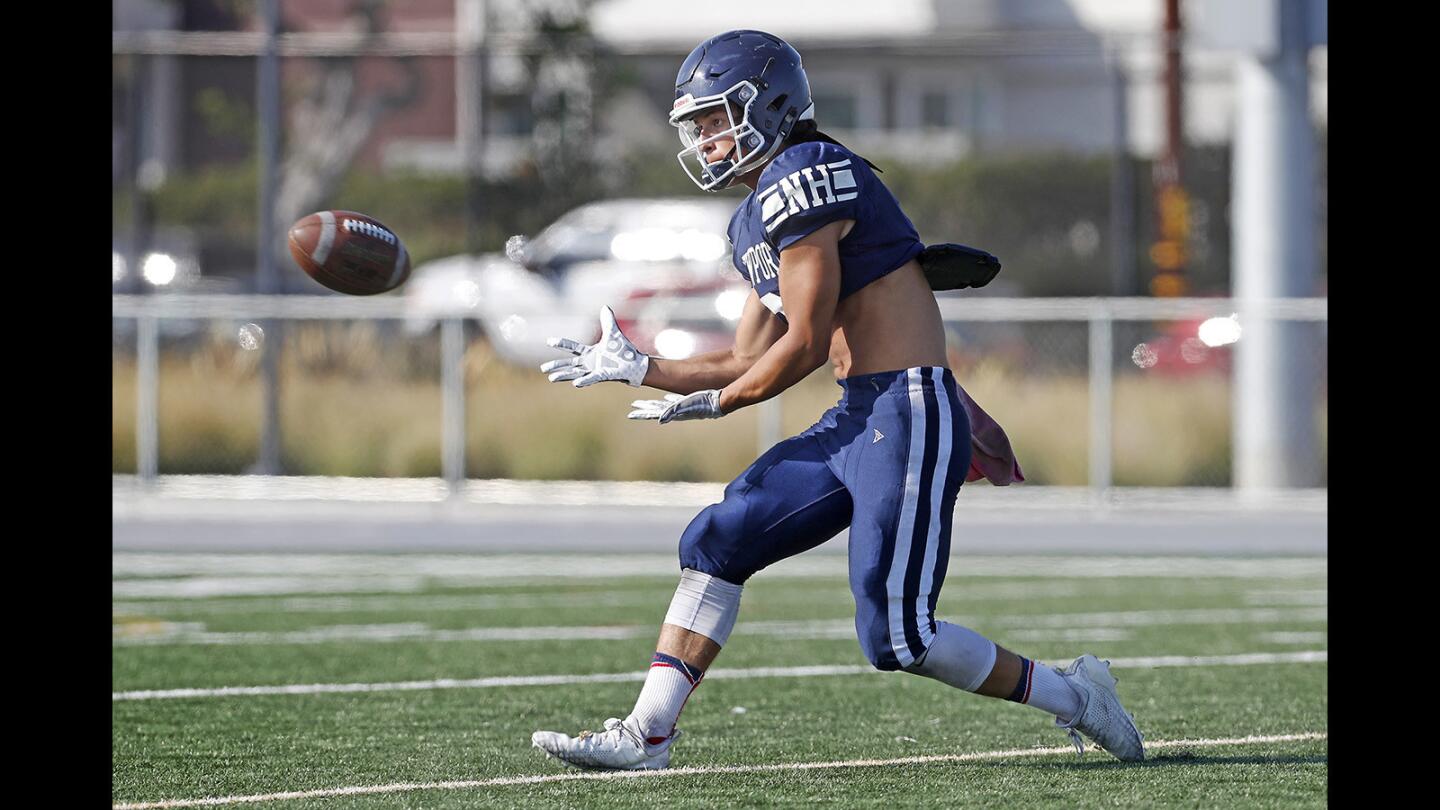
[(1217, 651)]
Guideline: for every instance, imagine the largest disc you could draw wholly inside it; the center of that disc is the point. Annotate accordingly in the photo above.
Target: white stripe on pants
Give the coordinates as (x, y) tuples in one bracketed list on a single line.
[(937, 495), (905, 531)]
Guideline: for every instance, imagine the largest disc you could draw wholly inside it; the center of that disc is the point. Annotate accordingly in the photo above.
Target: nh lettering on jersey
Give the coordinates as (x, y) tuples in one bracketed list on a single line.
[(810, 187), (760, 263)]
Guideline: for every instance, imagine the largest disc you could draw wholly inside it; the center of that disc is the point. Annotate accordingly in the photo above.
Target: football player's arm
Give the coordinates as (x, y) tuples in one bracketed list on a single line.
[(810, 288), (757, 331)]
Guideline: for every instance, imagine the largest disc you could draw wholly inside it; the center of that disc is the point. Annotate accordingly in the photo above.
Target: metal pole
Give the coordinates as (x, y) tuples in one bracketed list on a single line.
[(1275, 257), (268, 102), (1122, 187), (470, 19), (1101, 400), (134, 153), (452, 402), (768, 427), (147, 397)]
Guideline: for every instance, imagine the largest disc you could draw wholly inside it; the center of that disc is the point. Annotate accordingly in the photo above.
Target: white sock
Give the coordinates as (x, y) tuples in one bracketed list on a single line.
[(1042, 687), (667, 686)]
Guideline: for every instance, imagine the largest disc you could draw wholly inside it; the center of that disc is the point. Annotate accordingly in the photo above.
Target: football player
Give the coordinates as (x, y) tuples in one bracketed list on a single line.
[(832, 260)]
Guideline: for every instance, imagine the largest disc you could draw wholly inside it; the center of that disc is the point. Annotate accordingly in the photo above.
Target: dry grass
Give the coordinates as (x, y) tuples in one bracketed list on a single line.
[(356, 402), (520, 425)]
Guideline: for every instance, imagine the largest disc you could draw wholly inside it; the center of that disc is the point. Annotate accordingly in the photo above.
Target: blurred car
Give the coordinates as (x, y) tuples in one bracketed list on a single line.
[(632, 254), (678, 323), (1189, 347), (170, 261)]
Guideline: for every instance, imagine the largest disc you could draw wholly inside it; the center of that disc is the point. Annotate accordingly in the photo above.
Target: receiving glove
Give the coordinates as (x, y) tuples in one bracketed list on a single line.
[(614, 357), (677, 408)]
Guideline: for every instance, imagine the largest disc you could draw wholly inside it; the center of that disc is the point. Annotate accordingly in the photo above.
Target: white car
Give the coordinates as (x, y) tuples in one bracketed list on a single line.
[(623, 253)]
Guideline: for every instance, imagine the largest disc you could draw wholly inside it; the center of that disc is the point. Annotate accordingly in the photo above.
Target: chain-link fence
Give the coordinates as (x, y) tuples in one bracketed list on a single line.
[(1093, 392)]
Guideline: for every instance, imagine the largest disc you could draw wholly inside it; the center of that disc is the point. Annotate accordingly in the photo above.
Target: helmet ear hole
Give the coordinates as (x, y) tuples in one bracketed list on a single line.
[(777, 103)]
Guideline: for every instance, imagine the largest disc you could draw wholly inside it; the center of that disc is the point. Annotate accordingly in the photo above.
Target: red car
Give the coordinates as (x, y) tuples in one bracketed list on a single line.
[(1195, 346)]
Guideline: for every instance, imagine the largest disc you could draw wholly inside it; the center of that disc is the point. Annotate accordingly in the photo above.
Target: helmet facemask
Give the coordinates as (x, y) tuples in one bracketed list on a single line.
[(750, 148)]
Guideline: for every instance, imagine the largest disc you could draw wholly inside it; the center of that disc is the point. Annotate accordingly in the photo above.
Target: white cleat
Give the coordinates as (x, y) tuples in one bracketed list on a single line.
[(619, 747), (1101, 717)]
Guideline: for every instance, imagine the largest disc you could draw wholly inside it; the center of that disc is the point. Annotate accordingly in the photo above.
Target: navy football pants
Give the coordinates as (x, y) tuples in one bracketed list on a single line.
[(887, 461)]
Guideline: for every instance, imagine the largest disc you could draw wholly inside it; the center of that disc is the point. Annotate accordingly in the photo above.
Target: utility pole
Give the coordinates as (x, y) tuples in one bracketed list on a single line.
[(1169, 253)]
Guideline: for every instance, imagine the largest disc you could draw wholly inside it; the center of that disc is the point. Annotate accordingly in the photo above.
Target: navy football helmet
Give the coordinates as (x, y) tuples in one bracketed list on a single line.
[(755, 73)]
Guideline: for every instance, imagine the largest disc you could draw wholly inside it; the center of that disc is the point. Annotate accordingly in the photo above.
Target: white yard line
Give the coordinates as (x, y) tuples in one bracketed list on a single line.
[(390, 604), (1306, 637), (1243, 659), (186, 586), (203, 587), (1320, 596), (1136, 618), (159, 633), (308, 496), (510, 567), (1070, 634), (1028, 628), (960, 590), (510, 781)]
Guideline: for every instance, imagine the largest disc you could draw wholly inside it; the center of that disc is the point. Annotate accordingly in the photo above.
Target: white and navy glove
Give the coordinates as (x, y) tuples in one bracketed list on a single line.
[(677, 408), (614, 357)]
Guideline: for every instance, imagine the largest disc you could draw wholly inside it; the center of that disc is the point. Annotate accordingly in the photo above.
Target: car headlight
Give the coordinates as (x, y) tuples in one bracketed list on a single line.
[(159, 268), (1219, 331), (700, 246)]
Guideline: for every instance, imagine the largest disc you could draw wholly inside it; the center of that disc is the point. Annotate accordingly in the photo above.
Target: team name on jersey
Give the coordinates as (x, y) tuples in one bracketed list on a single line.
[(760, 263), (810, 187)]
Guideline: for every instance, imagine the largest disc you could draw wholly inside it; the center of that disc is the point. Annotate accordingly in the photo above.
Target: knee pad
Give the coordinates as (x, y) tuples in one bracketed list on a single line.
[(958, 656), (706, 605)]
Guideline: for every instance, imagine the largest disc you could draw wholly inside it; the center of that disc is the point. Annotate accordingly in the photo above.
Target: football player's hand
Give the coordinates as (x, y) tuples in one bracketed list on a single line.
[(677, 408), (614, 357)]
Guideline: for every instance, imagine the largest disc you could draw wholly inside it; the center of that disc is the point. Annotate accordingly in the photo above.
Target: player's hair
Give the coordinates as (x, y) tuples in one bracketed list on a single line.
[(807, 131)]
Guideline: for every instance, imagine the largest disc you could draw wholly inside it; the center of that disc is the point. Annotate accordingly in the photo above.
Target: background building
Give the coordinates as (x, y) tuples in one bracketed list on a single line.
[(922, 79)]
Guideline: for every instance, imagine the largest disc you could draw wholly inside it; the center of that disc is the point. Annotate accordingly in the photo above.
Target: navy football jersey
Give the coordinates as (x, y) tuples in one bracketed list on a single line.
[(805, 187)]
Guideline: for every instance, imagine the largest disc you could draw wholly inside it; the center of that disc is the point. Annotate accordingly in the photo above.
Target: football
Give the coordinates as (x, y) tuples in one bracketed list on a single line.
[(350, 253)]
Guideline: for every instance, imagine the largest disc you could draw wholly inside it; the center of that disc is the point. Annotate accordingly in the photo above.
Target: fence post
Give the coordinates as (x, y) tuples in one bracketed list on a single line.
[(147, 397), (452, 398), (1101, 399)]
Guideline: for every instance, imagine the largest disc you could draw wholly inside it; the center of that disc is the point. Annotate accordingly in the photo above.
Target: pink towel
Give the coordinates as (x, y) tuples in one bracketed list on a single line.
[(990, 453)]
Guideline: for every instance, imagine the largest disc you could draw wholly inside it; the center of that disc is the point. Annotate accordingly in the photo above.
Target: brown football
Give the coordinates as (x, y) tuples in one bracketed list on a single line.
[(350, 253)]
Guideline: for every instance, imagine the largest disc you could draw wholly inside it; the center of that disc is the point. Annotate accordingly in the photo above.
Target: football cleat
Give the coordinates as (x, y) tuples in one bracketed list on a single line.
[(1101, 717), (619, 747)]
